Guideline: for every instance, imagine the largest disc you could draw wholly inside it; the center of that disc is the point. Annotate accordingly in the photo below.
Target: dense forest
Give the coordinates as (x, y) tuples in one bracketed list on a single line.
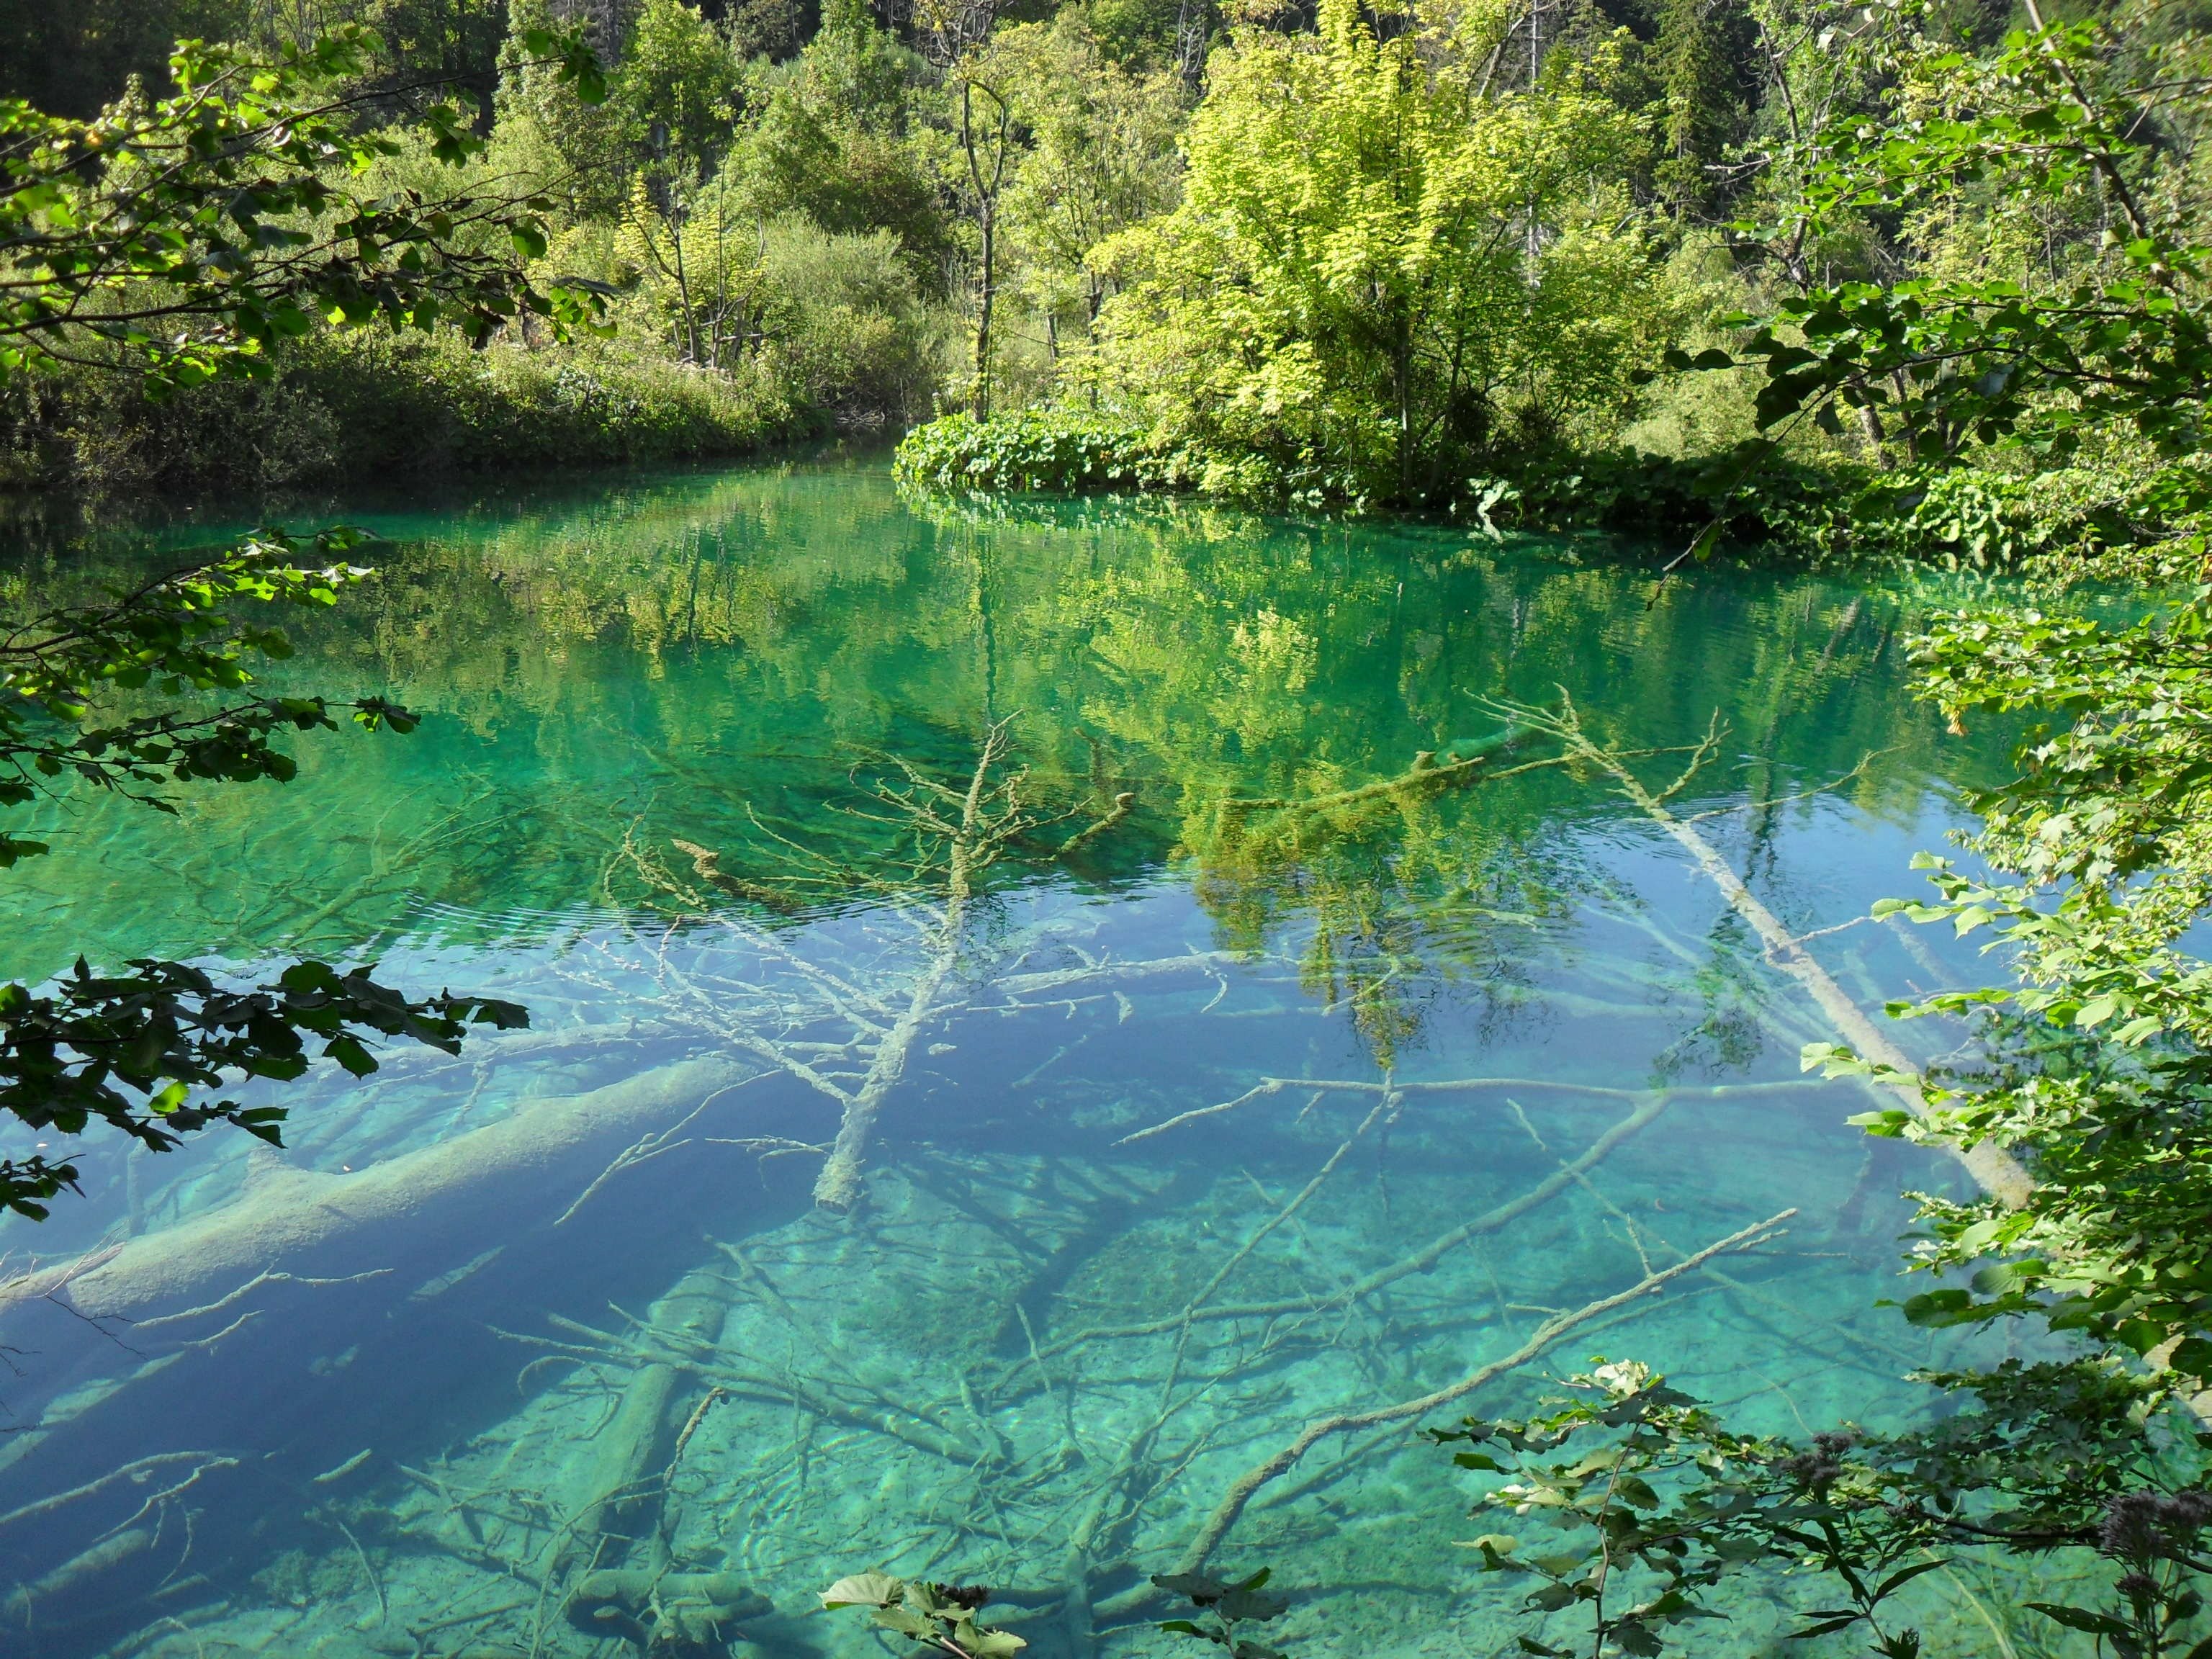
[(1922, 283), (1598, 263)]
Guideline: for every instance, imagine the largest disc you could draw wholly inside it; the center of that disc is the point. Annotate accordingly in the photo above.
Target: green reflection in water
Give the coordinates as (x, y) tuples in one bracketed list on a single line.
[(1049, 1341)]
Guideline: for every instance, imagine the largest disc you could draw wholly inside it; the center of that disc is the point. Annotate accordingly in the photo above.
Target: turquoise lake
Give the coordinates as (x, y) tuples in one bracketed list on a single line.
[(1219, 1049)]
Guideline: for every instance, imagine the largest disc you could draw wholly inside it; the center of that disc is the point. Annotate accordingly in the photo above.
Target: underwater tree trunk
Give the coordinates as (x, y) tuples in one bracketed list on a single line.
[(291, 1212), (1997, 1172), (626, 1481), (838, 1187), (1242, 1491)]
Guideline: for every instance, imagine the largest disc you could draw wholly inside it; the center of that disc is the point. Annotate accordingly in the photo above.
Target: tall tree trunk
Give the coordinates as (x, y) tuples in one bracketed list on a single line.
[(986, 187), (985, 303), (1404, 372)]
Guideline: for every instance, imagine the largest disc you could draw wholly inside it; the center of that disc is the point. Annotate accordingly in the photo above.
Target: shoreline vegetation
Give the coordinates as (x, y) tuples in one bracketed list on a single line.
[(2065, 523)]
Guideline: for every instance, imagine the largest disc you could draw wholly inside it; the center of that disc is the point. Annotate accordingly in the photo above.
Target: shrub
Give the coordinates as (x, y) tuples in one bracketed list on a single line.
[(850, 333), (1037, 449), (343, 407)]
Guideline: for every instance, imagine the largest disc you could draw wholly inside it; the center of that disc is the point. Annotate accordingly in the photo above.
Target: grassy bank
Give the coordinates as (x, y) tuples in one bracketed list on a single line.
[(360, 407)]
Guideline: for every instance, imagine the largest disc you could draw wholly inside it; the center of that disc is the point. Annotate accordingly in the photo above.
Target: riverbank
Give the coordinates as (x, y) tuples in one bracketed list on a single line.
[(2126, 513), (362, 408)]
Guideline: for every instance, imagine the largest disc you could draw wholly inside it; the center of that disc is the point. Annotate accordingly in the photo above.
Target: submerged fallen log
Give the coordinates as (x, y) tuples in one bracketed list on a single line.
[(1459, 763), (665, 1613), (971, 842), (1240, 1492), (287, 1214), (627, 1478), (1995, 1170)]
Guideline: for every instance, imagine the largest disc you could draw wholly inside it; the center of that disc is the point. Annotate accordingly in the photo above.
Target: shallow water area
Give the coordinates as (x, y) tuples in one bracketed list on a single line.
[(1208, 1008)]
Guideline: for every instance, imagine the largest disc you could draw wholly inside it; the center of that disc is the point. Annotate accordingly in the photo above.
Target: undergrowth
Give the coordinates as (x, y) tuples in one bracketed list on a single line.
[(339, 409), (2135, 518)]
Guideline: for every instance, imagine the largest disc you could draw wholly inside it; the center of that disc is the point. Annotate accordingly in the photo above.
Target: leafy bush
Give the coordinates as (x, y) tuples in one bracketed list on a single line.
[(1755, 498), (1349, 283), (1037, 449), (848, 333), (2112, 515), (358, 407)]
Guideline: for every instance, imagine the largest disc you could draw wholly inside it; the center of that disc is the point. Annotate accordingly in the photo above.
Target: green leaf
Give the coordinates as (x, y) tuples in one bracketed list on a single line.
[(864, 1589), (1634, 1638), (2192, 1357), (2095, 1624), (1701, 550), (1195, 1586), (1825, 1627), (1903, 1576), (348, 1051), (1937, 1308), (1890, 1123)]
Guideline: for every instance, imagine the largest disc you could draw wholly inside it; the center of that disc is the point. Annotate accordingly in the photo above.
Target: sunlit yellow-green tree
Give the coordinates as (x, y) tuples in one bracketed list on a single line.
[(1377, 269)]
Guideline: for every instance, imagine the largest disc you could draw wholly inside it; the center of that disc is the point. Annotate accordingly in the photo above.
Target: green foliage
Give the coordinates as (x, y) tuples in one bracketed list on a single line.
[(667, 109), (2103, 1081), (1036, 449), (171, 637), (826, 138), (1644, 1501), (365, 406), (74, 59), (175, 244), (1376, 267), (1696, 55), (151, 1051), (942, 1618), (773, 29), (1096, 149), (846, 333), (674, 96), (191, 235), (164, 1030), (2116, 331), (1755, 500)]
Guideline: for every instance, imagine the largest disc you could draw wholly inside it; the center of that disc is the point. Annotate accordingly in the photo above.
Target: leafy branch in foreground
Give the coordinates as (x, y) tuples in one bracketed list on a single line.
[(2101, 1074), (68, 1052), (1648, 1501), (131, 1049), (188, 235), (175, 242), (942, 1618), (2047, 117), (175, 634)]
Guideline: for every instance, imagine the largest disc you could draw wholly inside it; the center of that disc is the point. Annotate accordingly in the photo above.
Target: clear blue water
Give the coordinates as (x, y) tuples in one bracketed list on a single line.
[(401, 1388)]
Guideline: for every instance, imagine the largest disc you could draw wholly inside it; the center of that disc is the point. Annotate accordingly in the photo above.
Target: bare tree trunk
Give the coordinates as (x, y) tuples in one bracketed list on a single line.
[(986, 221), (838, 1187)]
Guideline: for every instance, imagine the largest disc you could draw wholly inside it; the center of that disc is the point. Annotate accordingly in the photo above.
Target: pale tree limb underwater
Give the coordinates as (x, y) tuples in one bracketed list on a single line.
[(1996, 1171), (1247, 1484)]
